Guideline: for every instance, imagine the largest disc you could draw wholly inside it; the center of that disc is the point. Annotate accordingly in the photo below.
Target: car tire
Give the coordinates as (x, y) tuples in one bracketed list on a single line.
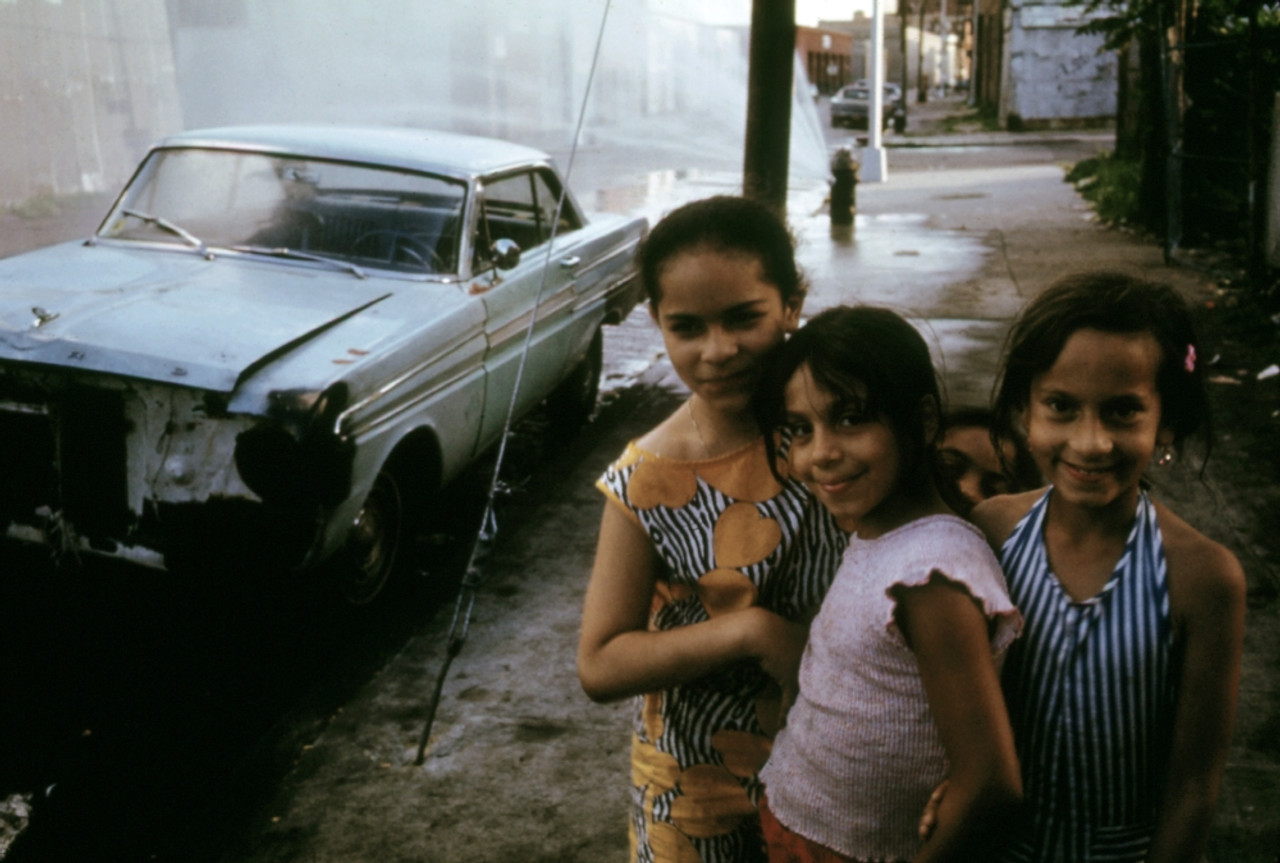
[(375, 545), (571, 404)]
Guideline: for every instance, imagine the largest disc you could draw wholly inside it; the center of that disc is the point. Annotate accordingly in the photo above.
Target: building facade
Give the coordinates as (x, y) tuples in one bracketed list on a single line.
[(1051, 76)]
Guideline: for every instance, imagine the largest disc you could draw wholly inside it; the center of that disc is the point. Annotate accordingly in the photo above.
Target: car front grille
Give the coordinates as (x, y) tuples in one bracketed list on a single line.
[(27, 455), (62, 457)]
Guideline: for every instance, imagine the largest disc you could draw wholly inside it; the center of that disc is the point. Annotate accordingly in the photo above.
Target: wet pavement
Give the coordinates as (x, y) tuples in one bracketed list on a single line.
[(520, 765)]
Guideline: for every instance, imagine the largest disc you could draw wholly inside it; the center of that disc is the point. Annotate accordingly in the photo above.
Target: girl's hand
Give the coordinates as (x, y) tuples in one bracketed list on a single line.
[(929, 818), (780, 647), (618, 656)]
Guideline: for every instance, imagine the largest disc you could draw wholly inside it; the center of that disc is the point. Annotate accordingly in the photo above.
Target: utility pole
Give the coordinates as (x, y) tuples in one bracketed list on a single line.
[(944, 70), (769, 83), (903, 14), (922, 80), (973, 56)]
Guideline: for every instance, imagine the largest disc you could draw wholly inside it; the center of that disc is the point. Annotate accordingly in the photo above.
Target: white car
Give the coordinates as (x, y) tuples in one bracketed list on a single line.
[(282, 342)]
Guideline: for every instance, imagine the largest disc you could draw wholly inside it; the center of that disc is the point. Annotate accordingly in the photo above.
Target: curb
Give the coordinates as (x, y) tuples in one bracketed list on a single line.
[(1004, 139)]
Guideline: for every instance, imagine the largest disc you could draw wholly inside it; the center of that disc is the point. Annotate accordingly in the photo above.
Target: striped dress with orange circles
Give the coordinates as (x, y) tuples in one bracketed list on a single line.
[(731, 536)]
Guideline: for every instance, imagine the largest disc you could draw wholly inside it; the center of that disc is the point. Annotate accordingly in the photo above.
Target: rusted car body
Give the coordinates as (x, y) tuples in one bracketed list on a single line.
[(284, 341)]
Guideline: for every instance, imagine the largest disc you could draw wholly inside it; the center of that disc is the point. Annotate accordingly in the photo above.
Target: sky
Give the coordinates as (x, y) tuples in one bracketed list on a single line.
[(808, 12)]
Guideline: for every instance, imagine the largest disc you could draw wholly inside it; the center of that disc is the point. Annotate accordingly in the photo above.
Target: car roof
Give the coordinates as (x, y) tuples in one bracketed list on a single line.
[(426, 150)]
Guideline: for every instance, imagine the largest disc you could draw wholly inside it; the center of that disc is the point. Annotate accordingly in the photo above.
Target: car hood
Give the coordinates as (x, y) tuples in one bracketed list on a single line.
[(169, 316)]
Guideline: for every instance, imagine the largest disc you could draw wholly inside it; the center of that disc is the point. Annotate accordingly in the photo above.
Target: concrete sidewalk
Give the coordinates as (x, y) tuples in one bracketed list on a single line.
[(522, 766)]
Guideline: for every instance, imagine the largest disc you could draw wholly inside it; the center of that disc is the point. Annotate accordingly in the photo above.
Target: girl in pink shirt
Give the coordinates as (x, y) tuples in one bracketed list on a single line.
[(899, 684)]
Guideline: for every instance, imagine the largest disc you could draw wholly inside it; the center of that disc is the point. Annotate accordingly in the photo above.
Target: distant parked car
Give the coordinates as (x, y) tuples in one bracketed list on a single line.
[(892, 91), (852, 103), (284, 341)]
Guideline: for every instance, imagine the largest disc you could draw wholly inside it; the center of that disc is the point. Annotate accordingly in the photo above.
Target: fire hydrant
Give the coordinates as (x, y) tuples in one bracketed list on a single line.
[(844, 186)]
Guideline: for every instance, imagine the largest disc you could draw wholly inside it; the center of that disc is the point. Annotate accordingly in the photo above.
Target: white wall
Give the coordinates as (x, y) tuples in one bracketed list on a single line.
[(669, 91), (85, 85), (1054, 77)]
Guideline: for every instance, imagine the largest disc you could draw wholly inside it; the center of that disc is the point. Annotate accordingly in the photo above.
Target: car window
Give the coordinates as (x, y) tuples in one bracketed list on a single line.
[(376, 217), (522, 207)]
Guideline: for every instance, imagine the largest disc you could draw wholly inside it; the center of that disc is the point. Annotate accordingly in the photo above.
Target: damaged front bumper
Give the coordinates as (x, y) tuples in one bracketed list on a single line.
[(153, 473)]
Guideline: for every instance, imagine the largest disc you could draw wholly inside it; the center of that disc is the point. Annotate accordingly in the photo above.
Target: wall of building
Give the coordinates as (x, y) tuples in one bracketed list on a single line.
[(669, 85), (1054, 77), (925, 54), (85, 86), (827, 57)]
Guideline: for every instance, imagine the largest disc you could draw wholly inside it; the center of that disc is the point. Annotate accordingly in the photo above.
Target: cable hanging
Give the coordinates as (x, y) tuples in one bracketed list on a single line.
[(482, 548)]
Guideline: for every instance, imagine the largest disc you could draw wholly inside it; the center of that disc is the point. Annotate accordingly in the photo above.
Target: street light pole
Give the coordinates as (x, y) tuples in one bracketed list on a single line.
[(875, 167)]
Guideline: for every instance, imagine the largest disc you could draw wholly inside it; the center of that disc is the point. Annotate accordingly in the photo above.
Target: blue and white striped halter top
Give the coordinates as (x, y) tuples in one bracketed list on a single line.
[(1091, 692)]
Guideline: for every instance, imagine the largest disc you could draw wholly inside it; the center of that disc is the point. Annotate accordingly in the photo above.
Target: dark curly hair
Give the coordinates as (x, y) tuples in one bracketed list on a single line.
[(1110, 302), (729, 223)]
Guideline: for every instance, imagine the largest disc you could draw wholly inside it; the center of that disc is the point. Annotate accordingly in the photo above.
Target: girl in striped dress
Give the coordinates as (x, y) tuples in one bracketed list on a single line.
[(708, 566), (1122, 690)]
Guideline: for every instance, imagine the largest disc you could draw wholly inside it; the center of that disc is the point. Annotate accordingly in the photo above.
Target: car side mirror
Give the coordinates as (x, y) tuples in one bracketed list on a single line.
[(505, 253)]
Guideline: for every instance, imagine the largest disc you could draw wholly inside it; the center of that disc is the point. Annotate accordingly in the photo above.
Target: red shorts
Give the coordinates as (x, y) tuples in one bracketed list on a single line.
[(786, 846)]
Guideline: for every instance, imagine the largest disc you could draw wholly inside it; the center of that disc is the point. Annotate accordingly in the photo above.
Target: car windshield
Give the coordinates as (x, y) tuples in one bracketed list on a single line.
[(283, 205)]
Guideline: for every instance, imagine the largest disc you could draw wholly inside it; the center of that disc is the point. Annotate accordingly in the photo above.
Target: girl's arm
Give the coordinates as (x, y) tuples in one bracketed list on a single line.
[(1207, 584), (618, 655), (948, 633), (995, 517)]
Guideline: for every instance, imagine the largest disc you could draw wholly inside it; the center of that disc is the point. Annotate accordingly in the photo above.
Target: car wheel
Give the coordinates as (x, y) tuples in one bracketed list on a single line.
[(375, 542), (571, 404)]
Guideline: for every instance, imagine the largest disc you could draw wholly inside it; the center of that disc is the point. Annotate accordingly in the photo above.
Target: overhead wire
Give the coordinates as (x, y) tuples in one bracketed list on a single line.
[(486, 535)]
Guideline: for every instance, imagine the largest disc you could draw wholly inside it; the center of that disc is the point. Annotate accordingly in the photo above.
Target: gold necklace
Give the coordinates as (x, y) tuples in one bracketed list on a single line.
[(698, 429)]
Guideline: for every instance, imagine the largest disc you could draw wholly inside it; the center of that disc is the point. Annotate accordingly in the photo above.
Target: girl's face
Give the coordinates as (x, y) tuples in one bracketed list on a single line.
[(970, 460), (1093, 421), (720, 321), (847, 458)]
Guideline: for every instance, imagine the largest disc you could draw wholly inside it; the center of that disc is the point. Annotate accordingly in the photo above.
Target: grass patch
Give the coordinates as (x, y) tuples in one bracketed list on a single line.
[(1110, 185), (984, 117), (989, 117)]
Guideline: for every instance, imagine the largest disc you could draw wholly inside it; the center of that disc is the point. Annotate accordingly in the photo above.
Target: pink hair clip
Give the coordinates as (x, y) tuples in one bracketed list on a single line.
[(1189, 363)]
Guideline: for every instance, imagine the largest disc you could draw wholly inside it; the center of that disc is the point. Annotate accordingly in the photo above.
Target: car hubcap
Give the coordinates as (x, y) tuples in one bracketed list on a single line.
[(374, 542)]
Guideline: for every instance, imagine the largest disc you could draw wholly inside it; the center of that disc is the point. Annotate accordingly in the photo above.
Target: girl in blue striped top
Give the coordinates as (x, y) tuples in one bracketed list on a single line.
[(1122, 690)]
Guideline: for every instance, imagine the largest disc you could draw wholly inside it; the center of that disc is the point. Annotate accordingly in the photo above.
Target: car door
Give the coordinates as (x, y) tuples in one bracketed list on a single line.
[(522, 206)]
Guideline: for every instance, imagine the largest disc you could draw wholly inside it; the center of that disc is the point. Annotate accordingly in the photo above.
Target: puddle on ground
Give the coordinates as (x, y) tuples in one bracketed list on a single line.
[(930, 275), (896, 259)]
